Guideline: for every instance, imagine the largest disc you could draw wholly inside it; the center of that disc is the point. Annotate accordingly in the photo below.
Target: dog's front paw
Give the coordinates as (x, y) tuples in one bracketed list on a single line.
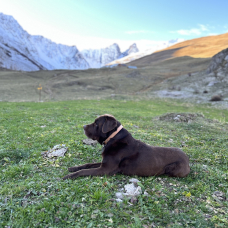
[(73, 169), (66, 177), (70, 176)]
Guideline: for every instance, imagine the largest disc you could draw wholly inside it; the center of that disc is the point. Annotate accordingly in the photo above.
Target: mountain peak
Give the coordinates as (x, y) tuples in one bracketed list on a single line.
[(21, 51), (132, 49)]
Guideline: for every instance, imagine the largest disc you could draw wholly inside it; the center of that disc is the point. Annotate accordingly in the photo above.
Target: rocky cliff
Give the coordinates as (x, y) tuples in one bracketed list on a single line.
[(219, 64)]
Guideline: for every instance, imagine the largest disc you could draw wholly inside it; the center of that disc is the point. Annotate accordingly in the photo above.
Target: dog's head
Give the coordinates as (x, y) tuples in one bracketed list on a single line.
[(101, 128)]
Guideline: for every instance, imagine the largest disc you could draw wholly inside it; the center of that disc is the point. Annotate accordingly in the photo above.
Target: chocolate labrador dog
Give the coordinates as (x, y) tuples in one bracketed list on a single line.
[(126, 155)]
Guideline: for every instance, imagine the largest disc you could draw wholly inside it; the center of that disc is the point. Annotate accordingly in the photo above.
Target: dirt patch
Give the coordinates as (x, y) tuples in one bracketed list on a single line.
[(181, 117)]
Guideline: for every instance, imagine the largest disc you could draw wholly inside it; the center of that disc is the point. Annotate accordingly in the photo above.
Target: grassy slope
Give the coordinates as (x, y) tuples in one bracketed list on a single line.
[(94, 83), (203, 47), (32, 193)]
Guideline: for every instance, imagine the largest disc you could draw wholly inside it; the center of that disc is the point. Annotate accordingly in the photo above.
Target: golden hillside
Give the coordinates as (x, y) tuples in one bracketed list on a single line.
[(204, 47)]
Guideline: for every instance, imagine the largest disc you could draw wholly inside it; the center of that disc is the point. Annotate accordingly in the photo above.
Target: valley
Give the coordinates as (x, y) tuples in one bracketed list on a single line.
[(151, 75), (185, 70)]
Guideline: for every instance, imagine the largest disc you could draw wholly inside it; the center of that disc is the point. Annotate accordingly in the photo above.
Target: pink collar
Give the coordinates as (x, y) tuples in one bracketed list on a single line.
[(113, 134)]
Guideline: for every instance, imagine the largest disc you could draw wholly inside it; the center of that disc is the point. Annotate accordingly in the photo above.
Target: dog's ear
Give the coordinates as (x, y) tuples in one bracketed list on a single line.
[(109, 124)]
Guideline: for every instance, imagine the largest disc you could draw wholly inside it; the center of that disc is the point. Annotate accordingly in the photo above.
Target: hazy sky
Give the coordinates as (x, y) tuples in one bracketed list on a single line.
[(100, 23)]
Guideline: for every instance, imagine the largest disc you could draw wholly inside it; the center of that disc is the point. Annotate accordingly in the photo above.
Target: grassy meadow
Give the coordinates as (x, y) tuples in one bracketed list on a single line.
[(33, 194), (104, 83)]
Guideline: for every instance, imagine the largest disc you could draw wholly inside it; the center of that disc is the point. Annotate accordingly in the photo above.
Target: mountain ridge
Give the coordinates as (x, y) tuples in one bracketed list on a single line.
[(21, 51), (141, 54)]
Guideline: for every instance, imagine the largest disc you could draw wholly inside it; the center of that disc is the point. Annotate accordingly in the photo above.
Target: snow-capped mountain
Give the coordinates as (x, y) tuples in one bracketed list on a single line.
[(100, 57), (136, 55), (132, 49), (22, 51)]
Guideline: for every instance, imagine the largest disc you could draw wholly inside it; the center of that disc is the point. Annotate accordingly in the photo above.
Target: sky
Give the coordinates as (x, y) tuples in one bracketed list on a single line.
[(99, 23)]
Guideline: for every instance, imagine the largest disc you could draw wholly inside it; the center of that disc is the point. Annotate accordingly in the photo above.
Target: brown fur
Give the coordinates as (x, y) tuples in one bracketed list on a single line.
[(126, 155)]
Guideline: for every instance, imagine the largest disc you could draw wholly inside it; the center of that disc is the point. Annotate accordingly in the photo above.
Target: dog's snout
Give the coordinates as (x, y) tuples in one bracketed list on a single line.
[(84, 127)]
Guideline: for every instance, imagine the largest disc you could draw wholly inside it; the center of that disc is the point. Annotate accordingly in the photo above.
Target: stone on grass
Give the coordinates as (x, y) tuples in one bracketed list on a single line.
[(57, 151), (134, 180), (90, 142), (119, 195), (119, 200), (130, 191), (218, 195), (216, 98)]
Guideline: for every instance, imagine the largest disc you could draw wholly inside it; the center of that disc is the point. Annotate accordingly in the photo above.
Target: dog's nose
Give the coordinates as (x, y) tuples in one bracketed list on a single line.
[(84, 126)]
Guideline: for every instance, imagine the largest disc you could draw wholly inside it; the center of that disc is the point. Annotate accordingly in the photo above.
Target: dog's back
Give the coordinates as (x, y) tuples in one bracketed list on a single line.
[(144, 160)]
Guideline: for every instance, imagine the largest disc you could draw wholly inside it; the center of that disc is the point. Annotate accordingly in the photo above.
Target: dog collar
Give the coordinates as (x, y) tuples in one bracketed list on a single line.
[(113, 134)]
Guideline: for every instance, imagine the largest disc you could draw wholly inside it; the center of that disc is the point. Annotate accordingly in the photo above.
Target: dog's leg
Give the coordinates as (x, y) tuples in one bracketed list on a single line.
[(92, 172), (177, 169), (86, 166)]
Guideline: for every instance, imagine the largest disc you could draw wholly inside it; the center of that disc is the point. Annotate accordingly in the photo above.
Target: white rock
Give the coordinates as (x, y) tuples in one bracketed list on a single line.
[(119, 195), (134, 180), (90, 142), (57, 151), (131, 190), (212, 83), (145, 193), (218, 193)]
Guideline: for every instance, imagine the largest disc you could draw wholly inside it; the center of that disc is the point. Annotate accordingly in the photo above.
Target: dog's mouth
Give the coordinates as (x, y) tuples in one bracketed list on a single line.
[(93, 137), (89, 135)]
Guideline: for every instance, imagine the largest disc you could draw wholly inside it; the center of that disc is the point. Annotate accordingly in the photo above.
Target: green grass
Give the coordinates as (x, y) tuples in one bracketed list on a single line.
[(32, 193)]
